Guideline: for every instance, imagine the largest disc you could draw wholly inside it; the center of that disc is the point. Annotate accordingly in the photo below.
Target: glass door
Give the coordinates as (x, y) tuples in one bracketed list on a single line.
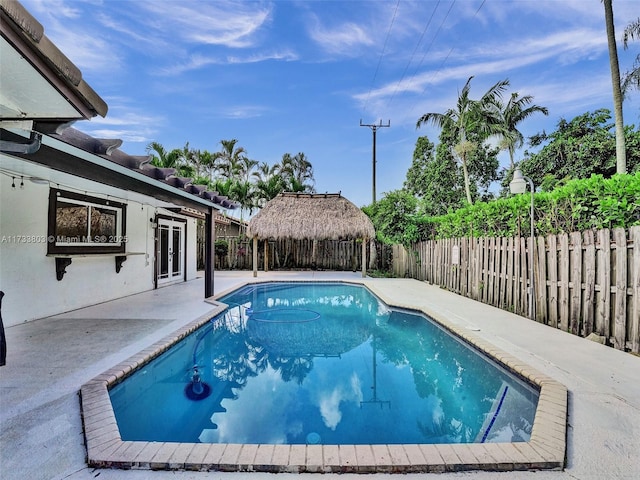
[(170, 254)]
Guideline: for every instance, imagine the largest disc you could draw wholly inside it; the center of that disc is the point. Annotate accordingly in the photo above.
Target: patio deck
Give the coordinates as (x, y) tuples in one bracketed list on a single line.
[(41, 433)]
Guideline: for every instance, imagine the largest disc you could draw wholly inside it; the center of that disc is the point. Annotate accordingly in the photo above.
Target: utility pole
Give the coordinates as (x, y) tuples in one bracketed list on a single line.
[(374, 127)]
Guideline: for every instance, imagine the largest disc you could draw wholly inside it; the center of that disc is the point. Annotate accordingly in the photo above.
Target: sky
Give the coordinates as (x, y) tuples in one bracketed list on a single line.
[(300, 76)]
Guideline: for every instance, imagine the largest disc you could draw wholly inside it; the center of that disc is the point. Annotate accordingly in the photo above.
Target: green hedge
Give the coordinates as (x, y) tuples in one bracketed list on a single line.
[(592, 203)]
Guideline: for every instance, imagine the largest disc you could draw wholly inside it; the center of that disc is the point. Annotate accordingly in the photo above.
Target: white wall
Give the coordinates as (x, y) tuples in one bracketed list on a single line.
[(28, 276)]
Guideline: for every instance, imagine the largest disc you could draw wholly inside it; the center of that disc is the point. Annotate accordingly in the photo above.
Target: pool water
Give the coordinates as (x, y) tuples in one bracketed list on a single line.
[(321, 363)]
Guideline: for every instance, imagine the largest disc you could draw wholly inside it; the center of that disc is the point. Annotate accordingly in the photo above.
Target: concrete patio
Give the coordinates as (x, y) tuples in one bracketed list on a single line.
[(41, 433)]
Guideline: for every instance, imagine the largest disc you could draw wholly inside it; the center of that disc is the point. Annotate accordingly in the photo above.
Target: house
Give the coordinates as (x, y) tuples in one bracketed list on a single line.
[(230, 227), (81, 221)]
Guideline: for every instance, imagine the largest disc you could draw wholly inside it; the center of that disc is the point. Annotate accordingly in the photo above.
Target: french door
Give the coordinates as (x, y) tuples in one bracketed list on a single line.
[(170, 254)]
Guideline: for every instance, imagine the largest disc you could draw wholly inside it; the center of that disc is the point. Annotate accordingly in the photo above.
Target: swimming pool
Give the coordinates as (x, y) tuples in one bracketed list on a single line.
[(323, 363), (544, 450)]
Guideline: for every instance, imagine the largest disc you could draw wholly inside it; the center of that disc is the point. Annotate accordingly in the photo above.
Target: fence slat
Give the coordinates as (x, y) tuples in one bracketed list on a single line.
[(516, 275), (575, 282), (634, 335), (603, 297), (620, 310), (497, 282), (524, 274), (563, 296), (552, 273), (490, 270), (508, 299), (475, 283), (485, 270), (541, 282), (588, 297)]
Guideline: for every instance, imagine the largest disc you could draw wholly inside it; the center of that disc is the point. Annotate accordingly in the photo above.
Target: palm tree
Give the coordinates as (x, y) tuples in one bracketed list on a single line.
[(632, 77), (199, 160), (514, 112), (621, 154), (243, 192), (161, 157), (297, 172), (245, 168), (268, 183), (169, 159), (223, 187), (480, 117), (229, 159)]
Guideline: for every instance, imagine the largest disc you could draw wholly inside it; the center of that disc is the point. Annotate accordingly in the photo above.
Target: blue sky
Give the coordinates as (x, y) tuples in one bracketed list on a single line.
[(298, 76)]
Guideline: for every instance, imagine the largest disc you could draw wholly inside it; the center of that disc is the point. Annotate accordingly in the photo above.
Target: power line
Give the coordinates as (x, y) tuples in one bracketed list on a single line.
[(446, 15), (384, 48), (450, 50), (424, 31)]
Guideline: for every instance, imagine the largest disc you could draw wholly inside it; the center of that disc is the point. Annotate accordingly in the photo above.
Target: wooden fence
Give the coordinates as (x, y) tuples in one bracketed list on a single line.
[(584, 282), (299, 254)]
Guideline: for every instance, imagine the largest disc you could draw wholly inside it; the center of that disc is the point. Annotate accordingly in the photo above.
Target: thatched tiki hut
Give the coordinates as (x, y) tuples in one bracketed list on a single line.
[(299, 216)]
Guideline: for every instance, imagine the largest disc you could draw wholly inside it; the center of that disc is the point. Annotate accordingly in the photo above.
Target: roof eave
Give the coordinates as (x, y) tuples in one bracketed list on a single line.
[(63, 157), (26, 34)]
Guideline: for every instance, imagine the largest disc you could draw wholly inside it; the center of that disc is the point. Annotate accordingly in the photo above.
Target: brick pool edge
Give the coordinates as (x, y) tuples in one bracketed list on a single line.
[(545, 450)]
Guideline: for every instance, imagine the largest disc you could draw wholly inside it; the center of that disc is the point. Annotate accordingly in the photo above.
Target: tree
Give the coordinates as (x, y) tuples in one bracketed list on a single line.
[(163, 158), (393, 217), (514, 112), (621, 160), (222, 186), (483, 167), (268, 183), (631, 79), (578, 148), (243, 192), (200, 160), (297, 173), (435, 178), (230, 159), (479, 117), (418, 182)]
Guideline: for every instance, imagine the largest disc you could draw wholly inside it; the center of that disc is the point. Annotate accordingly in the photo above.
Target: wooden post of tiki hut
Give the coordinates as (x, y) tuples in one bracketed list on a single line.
[(316, 217)]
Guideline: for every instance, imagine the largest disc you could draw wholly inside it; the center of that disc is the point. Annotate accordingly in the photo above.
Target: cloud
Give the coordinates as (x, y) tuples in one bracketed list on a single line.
[(243, 111), (232, 24), (199, 61), (286, 56), (125, 123), (329, 402), (88, 50), (344, 39), (505, 57)]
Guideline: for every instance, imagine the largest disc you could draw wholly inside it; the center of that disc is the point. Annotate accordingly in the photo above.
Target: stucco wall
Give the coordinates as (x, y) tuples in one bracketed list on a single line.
[(28, 276)]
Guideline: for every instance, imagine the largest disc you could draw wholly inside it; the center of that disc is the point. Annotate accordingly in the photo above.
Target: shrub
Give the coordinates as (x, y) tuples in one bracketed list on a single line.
[(579, 205)]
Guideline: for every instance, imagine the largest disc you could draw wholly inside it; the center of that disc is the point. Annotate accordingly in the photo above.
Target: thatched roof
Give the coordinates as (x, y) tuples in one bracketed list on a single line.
[(311, 216)]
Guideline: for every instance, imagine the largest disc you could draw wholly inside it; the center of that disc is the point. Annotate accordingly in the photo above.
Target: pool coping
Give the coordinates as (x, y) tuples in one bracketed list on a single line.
[(546, 448)]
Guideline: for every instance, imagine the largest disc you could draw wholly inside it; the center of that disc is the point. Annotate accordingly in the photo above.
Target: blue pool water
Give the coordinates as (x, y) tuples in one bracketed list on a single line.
[(324, 363)]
